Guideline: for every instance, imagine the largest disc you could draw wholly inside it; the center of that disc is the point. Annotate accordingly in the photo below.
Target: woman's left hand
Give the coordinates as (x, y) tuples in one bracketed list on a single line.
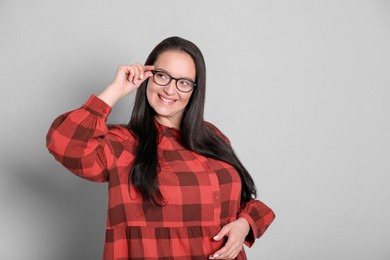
[(236, 232)]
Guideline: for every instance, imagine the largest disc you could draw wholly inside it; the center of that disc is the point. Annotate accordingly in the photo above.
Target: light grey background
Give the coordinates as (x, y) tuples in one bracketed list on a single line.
[(302, 89)]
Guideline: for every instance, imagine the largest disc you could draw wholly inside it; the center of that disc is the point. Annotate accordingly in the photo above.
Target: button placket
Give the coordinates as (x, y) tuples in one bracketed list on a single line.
[(216, 193)]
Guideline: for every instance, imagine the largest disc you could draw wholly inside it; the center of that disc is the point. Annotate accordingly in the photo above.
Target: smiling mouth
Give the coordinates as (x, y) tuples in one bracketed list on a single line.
[(166, 100)]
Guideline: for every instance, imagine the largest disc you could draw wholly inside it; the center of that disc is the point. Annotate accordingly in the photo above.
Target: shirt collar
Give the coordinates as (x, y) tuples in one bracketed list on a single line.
[(167, 131)]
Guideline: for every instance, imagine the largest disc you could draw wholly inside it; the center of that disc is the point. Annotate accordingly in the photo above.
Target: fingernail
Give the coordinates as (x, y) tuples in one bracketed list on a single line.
[(216, 237), (215, 255), (211, 257), (135, 81), (142, 76)]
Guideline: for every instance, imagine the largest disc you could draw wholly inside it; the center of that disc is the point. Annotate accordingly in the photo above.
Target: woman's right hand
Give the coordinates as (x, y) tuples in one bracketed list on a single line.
[(127, 79)]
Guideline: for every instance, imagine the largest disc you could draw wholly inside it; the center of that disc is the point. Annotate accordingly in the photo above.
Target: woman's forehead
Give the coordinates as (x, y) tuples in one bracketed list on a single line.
[(176, 63)]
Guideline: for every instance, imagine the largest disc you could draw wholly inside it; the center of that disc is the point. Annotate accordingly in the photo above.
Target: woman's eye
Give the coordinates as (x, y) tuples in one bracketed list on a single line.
[(184, 83), (162, 76)]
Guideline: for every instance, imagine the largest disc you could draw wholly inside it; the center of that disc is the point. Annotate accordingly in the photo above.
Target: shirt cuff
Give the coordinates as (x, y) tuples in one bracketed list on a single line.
[(250, 238), (97, 107)]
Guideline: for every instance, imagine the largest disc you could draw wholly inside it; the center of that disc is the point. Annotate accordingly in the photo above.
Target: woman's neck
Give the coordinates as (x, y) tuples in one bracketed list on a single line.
[(168, 122)]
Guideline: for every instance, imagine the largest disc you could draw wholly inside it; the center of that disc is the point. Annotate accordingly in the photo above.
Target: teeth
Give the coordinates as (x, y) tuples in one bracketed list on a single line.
[(166, 100)]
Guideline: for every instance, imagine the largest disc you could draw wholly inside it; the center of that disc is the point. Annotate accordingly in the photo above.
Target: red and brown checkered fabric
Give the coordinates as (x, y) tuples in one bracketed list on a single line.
[(202, 194)]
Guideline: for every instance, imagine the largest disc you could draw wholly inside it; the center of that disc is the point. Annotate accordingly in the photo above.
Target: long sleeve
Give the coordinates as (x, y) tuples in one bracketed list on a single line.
[(259, 216), (81, 141)]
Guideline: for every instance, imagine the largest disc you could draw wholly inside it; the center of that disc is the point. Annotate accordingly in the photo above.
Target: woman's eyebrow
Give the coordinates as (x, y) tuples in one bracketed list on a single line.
[(160, 69)]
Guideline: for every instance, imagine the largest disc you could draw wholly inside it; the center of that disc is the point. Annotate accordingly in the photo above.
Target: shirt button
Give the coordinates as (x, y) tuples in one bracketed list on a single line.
[(206, 166), (217, 196)]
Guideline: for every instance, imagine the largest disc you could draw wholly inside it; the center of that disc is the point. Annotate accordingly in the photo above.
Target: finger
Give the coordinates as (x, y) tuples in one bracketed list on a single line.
[(223, 232), (124, 73), (234, 252), (148, 74), (148, 70), (232, 247), (230, 254), (136, 74), (140, 70), (226, 250), (130, 72), (148, 67), (142, 74)]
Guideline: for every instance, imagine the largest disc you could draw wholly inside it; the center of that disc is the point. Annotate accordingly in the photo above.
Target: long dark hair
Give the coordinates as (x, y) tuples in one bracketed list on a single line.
[(196, 134)]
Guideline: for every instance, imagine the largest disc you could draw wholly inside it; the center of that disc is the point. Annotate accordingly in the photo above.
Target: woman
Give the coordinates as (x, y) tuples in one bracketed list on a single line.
[(176, 188)]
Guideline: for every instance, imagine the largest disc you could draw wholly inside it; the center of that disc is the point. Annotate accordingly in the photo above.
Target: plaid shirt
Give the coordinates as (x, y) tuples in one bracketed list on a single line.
[(202, 194)]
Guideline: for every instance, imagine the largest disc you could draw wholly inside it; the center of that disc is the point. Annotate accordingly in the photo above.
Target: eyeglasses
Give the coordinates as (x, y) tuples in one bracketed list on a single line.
[(163, 79)]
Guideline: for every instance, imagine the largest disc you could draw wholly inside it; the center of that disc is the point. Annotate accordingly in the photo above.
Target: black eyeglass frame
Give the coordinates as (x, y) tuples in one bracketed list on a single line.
[(176, 79)]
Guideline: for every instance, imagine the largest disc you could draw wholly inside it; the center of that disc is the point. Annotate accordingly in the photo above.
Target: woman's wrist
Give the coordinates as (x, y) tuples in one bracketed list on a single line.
[(110, 96), (245, 224)]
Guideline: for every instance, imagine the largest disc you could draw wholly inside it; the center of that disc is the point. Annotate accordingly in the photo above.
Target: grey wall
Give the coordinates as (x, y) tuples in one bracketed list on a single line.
[(302, 88)]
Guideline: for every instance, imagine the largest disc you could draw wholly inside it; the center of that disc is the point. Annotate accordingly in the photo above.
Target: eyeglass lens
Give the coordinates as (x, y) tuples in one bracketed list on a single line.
[(163, 79)]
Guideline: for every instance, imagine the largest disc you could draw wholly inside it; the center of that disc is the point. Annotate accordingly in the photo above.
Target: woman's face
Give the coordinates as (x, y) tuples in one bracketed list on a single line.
[(167, 101)]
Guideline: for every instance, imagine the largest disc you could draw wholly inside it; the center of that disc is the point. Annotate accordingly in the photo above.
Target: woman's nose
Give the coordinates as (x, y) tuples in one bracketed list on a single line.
[(171, 87)]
